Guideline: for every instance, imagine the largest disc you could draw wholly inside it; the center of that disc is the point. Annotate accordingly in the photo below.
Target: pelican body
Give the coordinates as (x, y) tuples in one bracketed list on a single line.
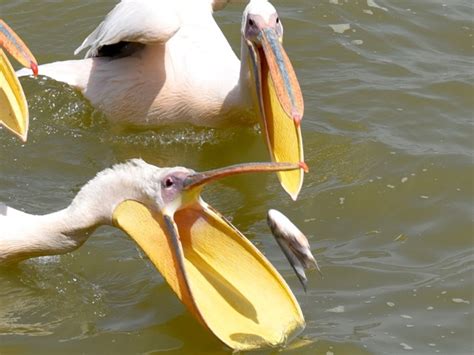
[(223, 280), (159, 62)]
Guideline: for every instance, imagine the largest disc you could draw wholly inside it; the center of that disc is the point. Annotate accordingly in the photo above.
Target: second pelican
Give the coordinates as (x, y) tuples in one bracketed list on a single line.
[(160, 62)]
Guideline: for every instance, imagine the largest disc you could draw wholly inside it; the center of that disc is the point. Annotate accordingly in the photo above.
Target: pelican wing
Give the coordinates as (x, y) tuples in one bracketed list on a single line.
[(136, 21)]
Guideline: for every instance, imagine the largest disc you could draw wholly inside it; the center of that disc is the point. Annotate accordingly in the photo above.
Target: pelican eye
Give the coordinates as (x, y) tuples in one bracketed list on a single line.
[(251, 22), (278, 20), (169, 182)]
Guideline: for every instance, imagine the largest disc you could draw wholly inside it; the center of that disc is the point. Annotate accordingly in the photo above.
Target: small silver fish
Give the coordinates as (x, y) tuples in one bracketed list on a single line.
[(293, 243)]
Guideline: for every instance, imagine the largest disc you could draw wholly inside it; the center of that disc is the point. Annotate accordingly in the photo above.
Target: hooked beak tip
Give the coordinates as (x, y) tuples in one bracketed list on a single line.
[(34, 67), (297, 117), (303, 166)]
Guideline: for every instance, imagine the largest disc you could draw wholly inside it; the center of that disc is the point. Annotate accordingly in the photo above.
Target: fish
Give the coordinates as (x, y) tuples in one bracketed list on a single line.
[(294, 245)]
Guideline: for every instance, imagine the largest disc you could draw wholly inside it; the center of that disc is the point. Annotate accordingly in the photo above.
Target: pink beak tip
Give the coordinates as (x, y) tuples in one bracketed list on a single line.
[(34, 68), (297, 118), (304, 166)]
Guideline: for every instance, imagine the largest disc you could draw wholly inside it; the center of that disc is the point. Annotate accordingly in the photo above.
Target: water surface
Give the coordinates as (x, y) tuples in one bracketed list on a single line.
[(387, 206)]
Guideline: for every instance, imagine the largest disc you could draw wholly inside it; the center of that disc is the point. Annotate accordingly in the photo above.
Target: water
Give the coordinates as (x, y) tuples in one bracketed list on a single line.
[(387, 206)]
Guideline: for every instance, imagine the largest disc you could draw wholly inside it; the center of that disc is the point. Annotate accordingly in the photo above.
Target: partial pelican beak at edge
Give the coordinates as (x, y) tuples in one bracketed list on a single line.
[(13, 106), (223, 280), (280, 104)]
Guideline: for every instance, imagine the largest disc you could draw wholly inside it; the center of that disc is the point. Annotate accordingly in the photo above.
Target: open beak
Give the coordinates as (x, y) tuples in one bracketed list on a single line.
[(223, 280), (280, 103), (13, 106)]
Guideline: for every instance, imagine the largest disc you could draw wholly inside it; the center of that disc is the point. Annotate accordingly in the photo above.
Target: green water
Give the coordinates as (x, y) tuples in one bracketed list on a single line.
[(387, 206)]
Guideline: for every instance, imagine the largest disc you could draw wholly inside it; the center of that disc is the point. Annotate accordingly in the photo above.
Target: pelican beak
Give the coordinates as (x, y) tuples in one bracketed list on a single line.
[(13, 106), (223, 280), (280, 103)]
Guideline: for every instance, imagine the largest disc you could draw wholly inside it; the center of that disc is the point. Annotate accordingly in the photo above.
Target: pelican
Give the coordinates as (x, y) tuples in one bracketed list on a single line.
[(223, 280), (160, 62), (13, 106)]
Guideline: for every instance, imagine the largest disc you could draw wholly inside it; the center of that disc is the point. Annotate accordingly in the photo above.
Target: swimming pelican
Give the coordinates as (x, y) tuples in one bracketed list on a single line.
[(13, 106), (161, 62), (224, 281)]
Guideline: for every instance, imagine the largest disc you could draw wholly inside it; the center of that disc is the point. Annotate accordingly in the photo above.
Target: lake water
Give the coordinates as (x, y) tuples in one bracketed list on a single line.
[(387, 206)]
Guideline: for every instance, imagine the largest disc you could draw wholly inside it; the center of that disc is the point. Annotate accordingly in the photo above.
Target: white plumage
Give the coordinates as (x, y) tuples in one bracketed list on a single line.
[(24, 235)]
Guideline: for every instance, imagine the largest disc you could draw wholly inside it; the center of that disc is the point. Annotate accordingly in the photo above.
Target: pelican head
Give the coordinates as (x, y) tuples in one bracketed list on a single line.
[(275, 88), (223, 280), (168, 190)]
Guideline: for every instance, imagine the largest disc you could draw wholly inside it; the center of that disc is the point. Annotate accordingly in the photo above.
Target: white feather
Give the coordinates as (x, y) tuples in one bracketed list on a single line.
[(142, 21)]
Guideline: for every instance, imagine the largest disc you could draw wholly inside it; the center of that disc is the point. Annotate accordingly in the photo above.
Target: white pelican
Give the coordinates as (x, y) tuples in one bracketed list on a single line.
[(161, 62), (13, 106), (224, 281)]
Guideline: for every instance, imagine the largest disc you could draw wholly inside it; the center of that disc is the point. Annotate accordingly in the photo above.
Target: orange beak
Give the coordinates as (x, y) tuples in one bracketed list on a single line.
[(13, 106), (281, 106)]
